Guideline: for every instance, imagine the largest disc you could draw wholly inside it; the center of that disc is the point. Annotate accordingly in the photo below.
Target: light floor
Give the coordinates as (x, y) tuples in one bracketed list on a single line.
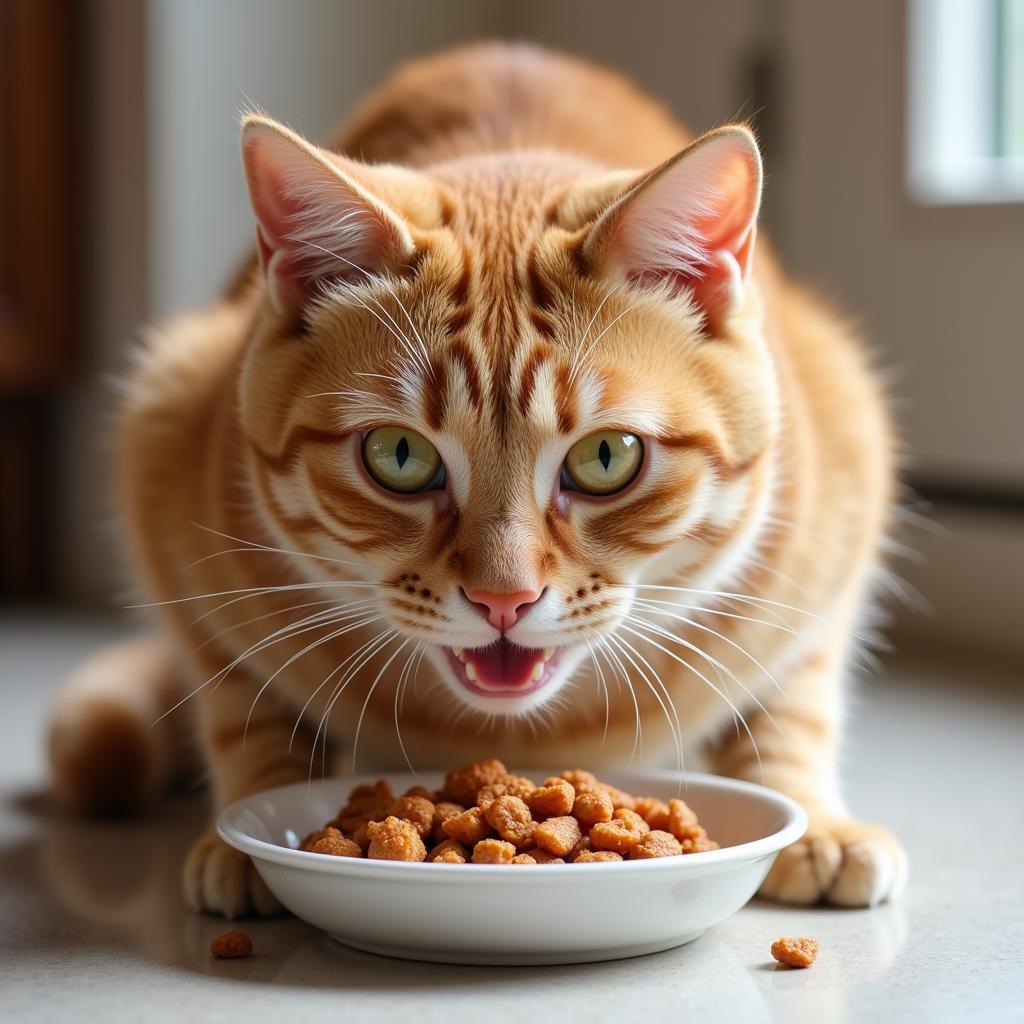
[(92, 926)]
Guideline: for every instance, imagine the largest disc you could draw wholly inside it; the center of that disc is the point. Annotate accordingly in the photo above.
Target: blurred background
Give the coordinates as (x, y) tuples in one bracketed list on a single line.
[(894, 143)]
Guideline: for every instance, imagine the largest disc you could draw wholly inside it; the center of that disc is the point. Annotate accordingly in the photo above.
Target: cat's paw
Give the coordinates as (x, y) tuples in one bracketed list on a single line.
[(839, 861), (221, 880)]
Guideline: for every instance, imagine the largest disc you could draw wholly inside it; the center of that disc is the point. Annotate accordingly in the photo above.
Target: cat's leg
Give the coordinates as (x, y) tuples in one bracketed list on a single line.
[(242, 759), (107, 755), (840, 860)]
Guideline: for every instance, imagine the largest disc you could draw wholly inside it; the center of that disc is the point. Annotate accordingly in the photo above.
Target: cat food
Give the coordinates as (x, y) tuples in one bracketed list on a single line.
[(795, 952), (231, 946), (482, 814)]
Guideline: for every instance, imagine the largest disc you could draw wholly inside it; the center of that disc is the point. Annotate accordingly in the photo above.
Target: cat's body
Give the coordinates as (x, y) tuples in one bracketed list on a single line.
[(529, 316)]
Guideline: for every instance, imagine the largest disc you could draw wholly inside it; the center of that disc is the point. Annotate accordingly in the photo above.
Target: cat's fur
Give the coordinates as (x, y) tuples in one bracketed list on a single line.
[(505, 288)]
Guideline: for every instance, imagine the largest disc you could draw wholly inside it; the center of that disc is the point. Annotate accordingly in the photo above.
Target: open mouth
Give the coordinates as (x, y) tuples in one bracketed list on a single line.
[(503, 668)]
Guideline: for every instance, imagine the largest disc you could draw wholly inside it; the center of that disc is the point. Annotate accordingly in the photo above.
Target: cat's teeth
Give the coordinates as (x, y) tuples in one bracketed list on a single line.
[(471, 671), (538, 671), (548, 652), (459, 653)]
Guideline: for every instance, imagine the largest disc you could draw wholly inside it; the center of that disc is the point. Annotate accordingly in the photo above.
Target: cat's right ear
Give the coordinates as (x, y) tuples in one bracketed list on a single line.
[(318, 218)]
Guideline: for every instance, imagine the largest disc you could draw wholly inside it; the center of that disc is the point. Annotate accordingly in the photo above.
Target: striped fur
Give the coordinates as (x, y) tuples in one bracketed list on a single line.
[(723, 586)]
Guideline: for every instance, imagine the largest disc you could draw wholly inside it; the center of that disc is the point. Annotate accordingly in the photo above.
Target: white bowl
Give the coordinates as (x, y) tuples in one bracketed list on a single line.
[(500, 914)]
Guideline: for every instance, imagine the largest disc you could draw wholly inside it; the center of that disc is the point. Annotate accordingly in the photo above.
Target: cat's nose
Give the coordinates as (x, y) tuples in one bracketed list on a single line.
[(502, 610)]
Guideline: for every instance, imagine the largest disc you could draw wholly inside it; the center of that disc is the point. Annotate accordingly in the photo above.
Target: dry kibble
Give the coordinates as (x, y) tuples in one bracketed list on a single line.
[(552, 800), (493, 851), (579, 779), (511, 819), (330, 841), (416, 810), (616, 835), (592, 806), (462, 785), (449, 852), (232, 945), (484, 815), (795, 952), (655, 843), (653, 811), (543, 857), (469, 827), (557, 835), (442, 812), (394, 839), (619, 798)]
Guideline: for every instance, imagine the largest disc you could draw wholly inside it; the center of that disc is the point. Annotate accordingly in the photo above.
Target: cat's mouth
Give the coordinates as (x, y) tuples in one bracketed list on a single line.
[(503, 668)]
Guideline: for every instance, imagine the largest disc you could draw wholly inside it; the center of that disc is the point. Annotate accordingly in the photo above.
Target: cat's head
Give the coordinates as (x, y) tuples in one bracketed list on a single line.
[(504, 390)]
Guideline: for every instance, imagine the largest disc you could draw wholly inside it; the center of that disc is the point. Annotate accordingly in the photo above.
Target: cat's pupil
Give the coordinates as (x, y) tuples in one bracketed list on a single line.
[(402, 452), (604, 453)]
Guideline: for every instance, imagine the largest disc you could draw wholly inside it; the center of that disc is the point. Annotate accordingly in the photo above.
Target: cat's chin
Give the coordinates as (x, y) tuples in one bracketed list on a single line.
[(503, 670)]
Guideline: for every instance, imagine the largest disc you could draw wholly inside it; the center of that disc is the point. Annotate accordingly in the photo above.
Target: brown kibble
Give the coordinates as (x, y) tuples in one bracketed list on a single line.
[(596, 856), (468, 828), (543, 857), (619, 798), (449, 852), (522, 858), (394, 839), (656, 843), (632, 819), (653, 811), (233, 945), (462, 785), (442, 812), (416, 810), (331, 842), (580, 780), (493, 851), (680, 820), (557, 835), (795, 952), (592, 806), (365, 803), (616, 835), (554, 799), (511, 819), (427, 794)]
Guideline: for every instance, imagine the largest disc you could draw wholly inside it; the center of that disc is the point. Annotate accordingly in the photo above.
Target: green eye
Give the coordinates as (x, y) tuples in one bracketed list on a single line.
[(402, 460), (603, 463)]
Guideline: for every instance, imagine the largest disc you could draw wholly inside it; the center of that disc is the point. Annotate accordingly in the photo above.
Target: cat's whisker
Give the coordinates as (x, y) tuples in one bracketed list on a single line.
[(628, 651), (399, 690), (295, 657), (583, 337), (365, 603), (652, 604), (328, 677), (700, 675), (667, 634), (369, 694), (256, 591), (638, 736), (257, 546), (593, 344), (732, 643), (378, 644), (599, 672)]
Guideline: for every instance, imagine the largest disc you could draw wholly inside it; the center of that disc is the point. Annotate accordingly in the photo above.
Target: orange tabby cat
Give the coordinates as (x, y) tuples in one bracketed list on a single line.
[(516, 444)]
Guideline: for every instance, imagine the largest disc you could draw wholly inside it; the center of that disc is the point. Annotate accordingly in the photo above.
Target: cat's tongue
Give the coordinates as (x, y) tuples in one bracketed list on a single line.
[(503, 667)]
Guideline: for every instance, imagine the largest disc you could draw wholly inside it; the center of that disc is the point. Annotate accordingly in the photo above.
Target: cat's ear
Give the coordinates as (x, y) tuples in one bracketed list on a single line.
[(318, 218), (690, 222)]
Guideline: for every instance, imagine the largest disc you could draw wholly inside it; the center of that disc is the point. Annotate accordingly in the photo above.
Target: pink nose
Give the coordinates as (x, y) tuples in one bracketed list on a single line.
[(503, 609)]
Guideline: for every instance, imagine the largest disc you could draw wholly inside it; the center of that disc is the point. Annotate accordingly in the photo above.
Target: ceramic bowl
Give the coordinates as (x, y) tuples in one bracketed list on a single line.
[(502, 914)]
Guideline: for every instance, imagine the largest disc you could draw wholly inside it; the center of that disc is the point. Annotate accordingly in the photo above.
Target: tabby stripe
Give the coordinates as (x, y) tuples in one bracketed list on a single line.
[(294, 442), (539, 354), (459, 351), (563, 400)]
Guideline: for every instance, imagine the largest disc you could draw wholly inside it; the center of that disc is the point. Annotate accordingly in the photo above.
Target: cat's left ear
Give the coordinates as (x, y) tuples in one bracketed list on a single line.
[(690, 222)]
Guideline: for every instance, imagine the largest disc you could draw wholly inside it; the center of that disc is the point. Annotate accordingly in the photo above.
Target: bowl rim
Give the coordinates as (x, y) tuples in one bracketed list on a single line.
[(795, 825)]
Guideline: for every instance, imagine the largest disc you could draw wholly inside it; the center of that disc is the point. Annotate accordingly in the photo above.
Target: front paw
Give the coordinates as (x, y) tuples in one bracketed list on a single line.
[(221, 880), (840, 861)]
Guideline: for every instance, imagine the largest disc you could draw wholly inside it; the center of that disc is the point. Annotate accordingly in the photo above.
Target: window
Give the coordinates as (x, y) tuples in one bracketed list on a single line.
[(966, 101)]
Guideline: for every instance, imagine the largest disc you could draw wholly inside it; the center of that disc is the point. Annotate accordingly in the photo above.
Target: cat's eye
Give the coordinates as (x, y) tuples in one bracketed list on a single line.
[(603, 463), (402, 460)]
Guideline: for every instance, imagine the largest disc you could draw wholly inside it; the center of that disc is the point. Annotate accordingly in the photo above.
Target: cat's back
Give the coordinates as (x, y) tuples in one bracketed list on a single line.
[(491, 97)]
